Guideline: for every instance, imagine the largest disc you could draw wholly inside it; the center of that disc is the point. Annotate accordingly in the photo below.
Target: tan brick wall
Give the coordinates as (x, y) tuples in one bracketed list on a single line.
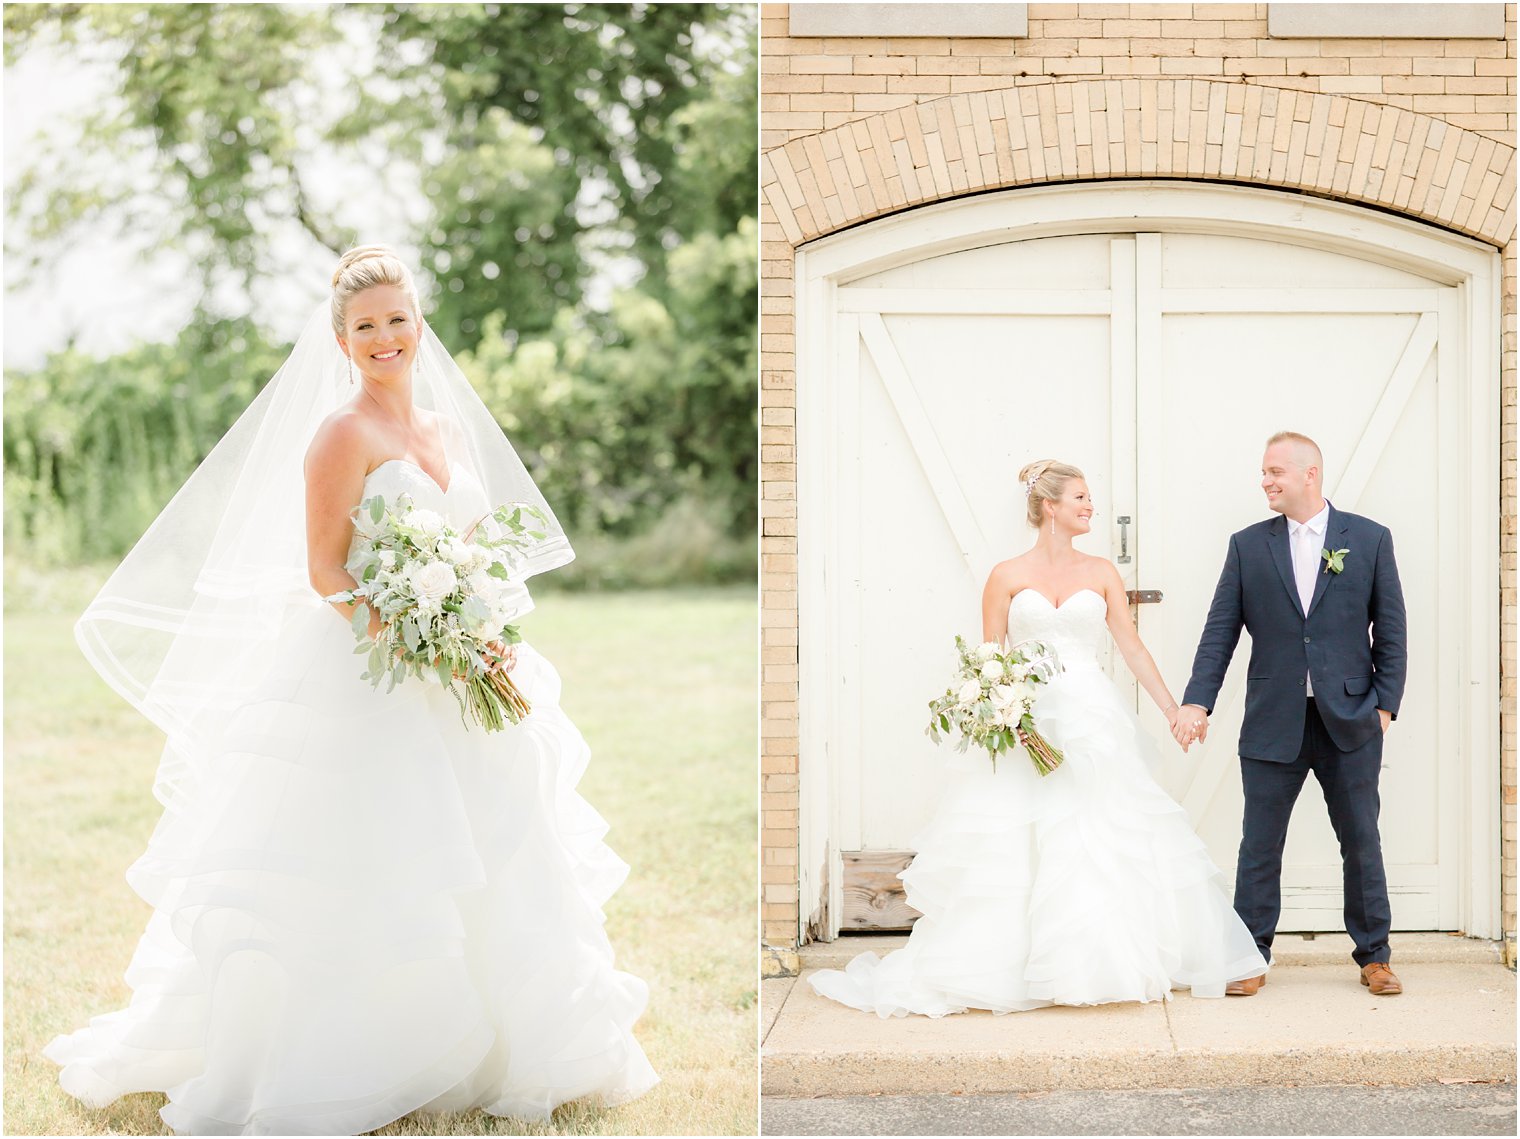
[(809, 85), (1091, 93)]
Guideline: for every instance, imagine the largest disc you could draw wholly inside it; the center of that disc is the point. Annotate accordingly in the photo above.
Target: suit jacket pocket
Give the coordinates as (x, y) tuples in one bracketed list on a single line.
[(1358, 685)]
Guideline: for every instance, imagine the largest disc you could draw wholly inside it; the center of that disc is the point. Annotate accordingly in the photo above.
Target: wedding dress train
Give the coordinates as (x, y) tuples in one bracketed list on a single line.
[(365, 908), (1082, 887)]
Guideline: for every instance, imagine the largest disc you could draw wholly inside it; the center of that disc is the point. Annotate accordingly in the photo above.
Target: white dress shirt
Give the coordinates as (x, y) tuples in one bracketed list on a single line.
[(1306, 540)]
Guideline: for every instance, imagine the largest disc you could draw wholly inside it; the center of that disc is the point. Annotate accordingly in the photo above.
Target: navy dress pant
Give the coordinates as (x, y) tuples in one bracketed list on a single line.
[(1349, 780)]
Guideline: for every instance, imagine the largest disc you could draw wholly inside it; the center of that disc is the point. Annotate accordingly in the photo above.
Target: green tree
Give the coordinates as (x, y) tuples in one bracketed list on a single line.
[(548, 140), (529, 124)]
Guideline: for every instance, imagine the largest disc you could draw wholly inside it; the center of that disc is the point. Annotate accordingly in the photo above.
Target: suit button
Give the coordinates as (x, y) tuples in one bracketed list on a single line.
[(1300, 683), (1306, 640)]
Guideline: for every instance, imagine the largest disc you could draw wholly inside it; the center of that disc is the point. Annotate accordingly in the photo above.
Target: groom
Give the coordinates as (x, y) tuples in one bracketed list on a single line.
[(1320, 691)]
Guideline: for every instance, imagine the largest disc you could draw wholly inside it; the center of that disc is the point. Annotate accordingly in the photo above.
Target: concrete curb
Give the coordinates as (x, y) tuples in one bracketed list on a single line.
[(985, 1073), (1311, 1025)]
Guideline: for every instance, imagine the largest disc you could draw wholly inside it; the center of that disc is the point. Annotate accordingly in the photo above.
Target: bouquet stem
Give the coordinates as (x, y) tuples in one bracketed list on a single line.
[(1046, 758), (496, 702)]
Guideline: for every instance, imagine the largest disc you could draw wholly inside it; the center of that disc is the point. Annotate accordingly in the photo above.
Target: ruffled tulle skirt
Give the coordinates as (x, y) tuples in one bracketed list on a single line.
[(1082, 887), (362, 908)]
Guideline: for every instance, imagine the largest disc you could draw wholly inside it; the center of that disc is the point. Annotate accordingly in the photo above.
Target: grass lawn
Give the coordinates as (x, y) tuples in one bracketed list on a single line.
[(662, 684)]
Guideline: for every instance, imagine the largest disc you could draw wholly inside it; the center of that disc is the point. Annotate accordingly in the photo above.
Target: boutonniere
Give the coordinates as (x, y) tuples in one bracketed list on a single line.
[(1335, 560)]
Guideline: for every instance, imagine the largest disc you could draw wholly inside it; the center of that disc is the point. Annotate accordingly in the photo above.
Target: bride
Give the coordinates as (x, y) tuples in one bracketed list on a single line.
[(362, 906), (1083, 887)]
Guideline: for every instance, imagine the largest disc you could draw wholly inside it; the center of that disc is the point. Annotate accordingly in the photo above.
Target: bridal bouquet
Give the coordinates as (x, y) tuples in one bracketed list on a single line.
[(443, 600), (988, 702)]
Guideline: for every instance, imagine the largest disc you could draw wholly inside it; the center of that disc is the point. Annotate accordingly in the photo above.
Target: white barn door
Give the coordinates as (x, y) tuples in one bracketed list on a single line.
[(1238, 338), (1159, 362)]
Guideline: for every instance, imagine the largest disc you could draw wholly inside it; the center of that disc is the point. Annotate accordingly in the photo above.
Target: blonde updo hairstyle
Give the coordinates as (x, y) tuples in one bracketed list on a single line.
[(1045, 481), (364, 267)]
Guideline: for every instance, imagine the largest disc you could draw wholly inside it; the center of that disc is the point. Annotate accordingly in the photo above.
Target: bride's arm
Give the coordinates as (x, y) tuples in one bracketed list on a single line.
[(334, 483), (995, 597), (1127, 638)]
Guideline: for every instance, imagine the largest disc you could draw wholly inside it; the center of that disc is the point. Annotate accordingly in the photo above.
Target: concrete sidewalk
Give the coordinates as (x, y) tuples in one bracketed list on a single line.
[(1313, 1023)]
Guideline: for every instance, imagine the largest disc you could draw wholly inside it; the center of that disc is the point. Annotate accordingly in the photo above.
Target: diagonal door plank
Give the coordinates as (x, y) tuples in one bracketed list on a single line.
[(953, 504)]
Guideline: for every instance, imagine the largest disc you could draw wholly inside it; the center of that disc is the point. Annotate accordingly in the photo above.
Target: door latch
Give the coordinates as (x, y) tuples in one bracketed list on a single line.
[(1143, 596), (1124, 540)]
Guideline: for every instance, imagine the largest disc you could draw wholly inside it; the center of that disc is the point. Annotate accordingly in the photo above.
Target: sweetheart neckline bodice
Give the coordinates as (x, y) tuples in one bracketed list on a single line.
[(420, 469), (1077, 630), (1048, 601)]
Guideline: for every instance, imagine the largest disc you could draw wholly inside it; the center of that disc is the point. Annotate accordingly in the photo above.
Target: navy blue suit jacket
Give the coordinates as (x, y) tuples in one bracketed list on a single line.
[(1351, 642)]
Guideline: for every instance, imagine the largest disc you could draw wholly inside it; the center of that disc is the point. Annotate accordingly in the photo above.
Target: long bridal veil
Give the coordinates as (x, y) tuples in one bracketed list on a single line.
[(194, 613)]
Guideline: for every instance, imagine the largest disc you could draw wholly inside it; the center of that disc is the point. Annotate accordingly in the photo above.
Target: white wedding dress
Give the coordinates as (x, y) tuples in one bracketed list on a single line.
[(1081, 887), (367, 908)]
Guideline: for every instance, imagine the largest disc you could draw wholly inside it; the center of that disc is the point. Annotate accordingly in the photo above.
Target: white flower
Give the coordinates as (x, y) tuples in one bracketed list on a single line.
[(992, 670), (1002, 695), (986, 651), (432, 583), (970, 692), (430, 522), (481, 584), (388, 559), (454, 551)]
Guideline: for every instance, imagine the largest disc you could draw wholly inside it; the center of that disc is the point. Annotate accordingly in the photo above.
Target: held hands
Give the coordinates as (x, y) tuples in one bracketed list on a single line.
[(1190, 724)]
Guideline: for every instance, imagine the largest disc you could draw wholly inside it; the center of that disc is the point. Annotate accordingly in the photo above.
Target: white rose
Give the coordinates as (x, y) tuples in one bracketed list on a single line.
[(986, 651), (456, 552), (388, 559), (481, 584), (1002, 695), (970, 692), (992, 670), (430, 522), (433, 582)]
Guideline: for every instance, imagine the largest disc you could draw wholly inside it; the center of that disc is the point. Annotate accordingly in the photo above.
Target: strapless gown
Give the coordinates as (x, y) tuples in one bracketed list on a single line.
[(369, 908), (1082, 887)]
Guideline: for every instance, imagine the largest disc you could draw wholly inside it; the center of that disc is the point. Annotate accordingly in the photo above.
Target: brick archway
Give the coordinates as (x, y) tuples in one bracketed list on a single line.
[(1333, 146), (1080, 130)]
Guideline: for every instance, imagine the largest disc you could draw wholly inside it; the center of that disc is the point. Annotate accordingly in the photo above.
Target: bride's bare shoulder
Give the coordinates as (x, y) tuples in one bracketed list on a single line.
[(1006, 573), (1105, 571), (343, 440)]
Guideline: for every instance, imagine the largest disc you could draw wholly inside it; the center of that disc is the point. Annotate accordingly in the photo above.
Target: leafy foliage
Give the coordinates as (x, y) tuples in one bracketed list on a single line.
[(95, 448), (549, 141)]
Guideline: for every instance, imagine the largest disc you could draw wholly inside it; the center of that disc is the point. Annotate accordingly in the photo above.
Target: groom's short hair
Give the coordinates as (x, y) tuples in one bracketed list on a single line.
[(1304, 448)]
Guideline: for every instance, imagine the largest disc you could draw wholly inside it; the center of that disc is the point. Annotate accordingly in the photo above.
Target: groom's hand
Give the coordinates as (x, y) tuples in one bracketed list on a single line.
[(1192, 725), (1385, 717)]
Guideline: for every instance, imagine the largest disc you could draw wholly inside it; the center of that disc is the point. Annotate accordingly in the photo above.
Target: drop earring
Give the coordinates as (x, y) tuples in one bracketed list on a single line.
[(350, 360)]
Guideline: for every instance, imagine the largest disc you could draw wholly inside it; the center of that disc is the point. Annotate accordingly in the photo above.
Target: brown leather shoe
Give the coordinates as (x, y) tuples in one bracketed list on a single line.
[(1380, 980), (1245, 987)]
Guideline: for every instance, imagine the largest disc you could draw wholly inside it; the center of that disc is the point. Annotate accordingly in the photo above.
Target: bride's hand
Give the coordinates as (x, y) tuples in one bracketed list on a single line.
[(506, 656), (1190, 726)]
